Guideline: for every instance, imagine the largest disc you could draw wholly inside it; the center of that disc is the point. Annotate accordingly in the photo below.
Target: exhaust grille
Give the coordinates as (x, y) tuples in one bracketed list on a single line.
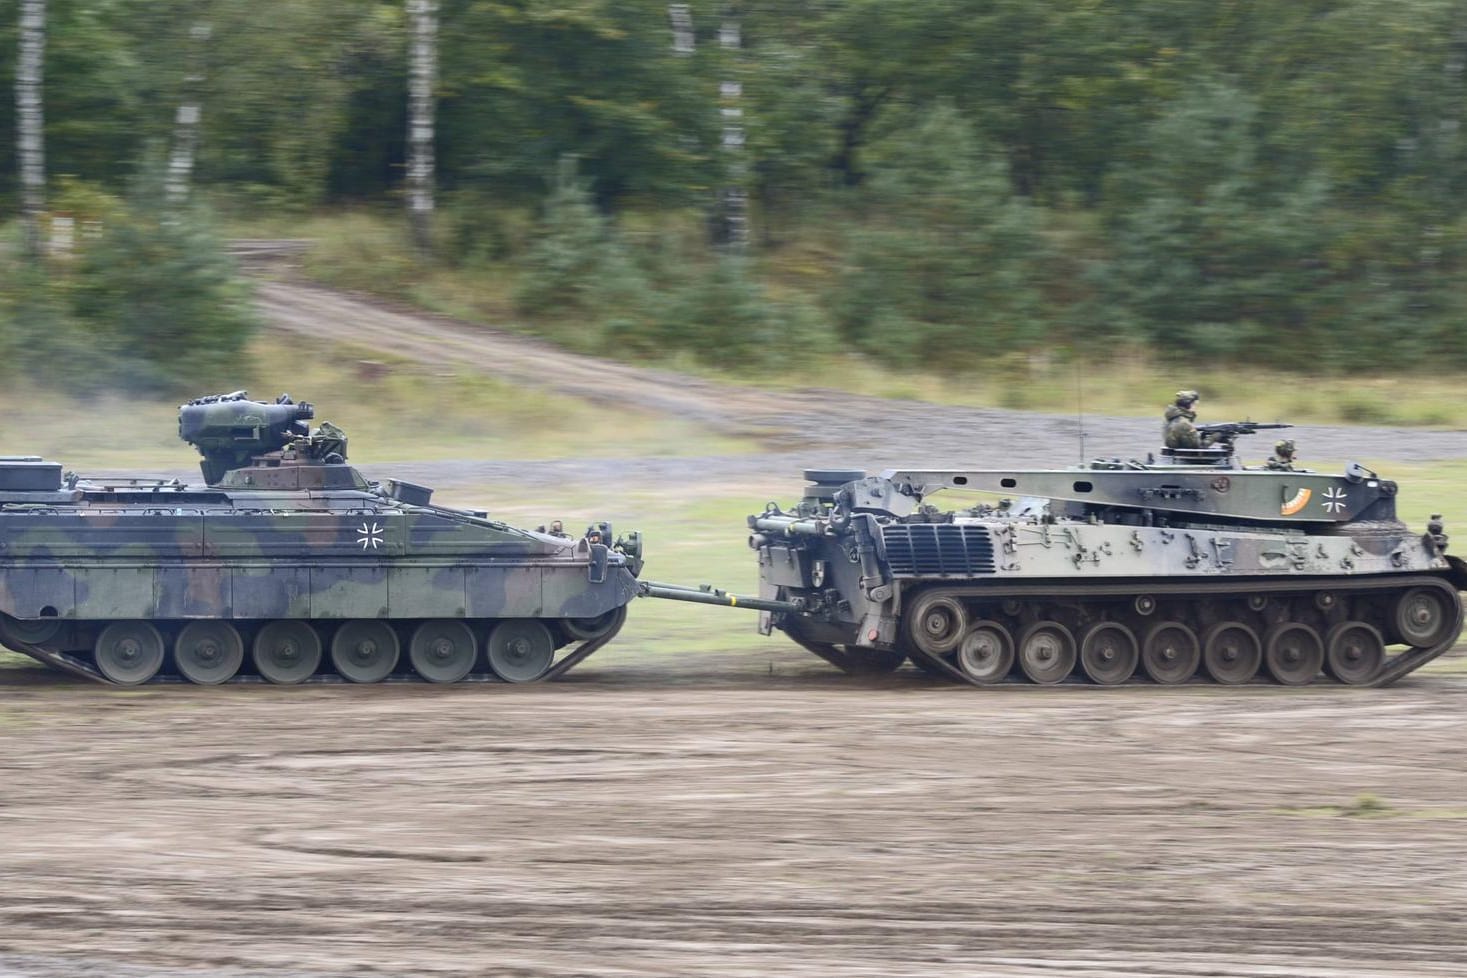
[(938, 549)]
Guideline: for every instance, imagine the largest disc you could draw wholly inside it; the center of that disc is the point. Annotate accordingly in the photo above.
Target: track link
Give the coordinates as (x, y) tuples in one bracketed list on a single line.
[(76, 665), (1393, 669)]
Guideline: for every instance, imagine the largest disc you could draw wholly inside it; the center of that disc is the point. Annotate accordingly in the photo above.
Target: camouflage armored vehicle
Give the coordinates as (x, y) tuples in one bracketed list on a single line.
[(287, 565), (1180, 566)]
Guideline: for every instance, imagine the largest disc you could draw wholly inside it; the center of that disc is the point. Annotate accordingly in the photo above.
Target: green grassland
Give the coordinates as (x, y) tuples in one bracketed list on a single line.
[(368, 251), (391, 410)]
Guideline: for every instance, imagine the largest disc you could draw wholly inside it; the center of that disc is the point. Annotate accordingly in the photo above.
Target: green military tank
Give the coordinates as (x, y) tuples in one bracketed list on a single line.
[(288, 566), (1187, 565)]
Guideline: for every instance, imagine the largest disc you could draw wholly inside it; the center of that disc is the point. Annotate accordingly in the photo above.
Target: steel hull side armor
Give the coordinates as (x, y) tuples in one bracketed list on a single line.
[(1111, 572), (288, 566)]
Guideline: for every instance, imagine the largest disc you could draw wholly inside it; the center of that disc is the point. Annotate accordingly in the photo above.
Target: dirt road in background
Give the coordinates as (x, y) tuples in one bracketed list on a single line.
[(706, 817), (815, 426)]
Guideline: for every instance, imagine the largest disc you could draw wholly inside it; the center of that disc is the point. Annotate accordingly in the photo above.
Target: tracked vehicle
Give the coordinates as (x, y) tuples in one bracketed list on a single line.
[(288, 566), (1183, 567)]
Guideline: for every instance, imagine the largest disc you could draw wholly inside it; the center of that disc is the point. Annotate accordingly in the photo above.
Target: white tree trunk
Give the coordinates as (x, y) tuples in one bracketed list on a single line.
[(680, 16), (30, 121), (734, 198), (186, 121), (422, 77)]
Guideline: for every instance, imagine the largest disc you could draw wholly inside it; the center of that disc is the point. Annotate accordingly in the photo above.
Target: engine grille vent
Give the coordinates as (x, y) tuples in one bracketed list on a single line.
[(938, 549)]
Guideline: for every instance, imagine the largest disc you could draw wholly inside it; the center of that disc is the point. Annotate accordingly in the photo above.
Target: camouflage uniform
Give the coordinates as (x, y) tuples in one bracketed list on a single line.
[(1283, 457), (1178, 431)]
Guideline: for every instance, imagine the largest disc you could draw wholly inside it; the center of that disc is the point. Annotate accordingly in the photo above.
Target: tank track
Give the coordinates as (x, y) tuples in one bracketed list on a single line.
[(566, 658), (1258, 605)]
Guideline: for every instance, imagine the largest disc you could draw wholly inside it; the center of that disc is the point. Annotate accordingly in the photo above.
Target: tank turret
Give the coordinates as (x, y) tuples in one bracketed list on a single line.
[(230, 430)]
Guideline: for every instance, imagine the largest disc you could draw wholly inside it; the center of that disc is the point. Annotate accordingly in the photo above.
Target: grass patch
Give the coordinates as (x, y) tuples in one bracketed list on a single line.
[(1367, 806), (690, 538), (391, 411), (14, 660), (368, 251)]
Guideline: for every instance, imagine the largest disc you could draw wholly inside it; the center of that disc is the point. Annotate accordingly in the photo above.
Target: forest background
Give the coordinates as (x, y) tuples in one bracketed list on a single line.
[(947, 186)]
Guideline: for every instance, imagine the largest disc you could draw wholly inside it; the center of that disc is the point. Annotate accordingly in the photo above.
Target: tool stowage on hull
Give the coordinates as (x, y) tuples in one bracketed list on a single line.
[(287, 566), (1192, 568)]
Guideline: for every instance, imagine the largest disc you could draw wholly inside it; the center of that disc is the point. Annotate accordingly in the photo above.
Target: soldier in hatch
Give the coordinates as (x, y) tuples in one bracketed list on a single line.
[(1178, 430), (1283, 457)]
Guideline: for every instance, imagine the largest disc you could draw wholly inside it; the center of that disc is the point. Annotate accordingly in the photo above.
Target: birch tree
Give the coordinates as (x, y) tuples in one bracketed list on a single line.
[(422, 76), (186, 120), (733, 199), (30, 121)]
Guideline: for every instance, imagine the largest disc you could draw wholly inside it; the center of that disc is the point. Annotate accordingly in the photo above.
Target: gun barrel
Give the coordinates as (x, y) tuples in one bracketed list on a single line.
[(1239, 427)]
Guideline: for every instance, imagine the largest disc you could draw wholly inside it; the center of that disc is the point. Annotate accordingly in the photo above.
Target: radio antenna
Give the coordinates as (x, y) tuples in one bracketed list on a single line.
[(1080, 409)]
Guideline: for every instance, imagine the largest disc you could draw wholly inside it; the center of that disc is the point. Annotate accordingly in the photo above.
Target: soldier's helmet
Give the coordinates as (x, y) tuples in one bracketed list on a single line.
[(1187, 398), (1284, 449)]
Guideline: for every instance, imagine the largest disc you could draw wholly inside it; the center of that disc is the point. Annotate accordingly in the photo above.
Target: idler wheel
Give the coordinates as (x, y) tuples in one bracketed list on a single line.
[(286, 652), (1231, 653), (28, 631), (936, 623), (520, 650), (208, 652), (1046, 652), (1170, 653), (443, 651), (586, 629), (365, 651), (1422, 617), (1108, 653), (1353, 652), (129, 652), (986, 653), (1293, 652)]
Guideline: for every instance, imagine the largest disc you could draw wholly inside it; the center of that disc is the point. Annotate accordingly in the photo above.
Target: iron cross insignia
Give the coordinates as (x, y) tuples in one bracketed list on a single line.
[(371, 536)]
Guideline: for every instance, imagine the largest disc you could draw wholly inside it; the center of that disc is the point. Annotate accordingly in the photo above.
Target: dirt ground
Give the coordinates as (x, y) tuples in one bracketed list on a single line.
[(751, 816), (738, 816)]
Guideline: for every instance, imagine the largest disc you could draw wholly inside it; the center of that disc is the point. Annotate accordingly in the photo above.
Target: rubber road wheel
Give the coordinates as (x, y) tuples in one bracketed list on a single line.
[(520, 650), (208, 652), (443, 651), (1046, 652), (286, 652), (1170, 653), (1294, 653), (129, 652), (1231, 653), (986, 654), (1353, 652), (364, 651)]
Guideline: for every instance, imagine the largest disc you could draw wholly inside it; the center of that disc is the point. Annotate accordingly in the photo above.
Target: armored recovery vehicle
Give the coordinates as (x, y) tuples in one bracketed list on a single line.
[(287, 565), (1188, 565)]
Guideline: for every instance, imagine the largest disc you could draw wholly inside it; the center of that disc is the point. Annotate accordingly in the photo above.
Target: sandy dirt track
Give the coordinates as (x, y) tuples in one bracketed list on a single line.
[(707, 817), (754, 816)]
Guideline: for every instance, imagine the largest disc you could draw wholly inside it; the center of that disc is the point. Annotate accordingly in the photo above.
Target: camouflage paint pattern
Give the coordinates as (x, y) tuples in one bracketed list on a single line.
[(365, 557), (853, 555), (284, 536)]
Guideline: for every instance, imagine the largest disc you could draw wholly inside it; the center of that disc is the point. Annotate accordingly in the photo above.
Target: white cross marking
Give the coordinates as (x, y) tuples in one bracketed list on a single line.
[(370, 536)]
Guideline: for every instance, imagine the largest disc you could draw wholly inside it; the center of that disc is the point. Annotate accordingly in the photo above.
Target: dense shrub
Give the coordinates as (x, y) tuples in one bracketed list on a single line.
[(947, 267), (152, 303)]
